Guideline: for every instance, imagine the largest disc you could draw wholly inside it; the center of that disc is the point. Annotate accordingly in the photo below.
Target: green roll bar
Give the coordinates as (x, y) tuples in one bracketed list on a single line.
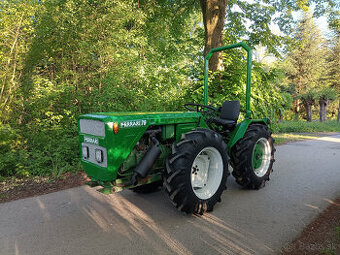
[(249, 63)]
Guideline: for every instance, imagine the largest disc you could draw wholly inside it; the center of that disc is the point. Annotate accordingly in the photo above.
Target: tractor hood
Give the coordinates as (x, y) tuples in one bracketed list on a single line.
[(151, 118), (115, 134)]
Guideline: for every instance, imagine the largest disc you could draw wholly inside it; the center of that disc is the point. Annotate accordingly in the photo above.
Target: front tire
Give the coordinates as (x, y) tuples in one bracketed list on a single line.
[(196, 171), (252, 157)]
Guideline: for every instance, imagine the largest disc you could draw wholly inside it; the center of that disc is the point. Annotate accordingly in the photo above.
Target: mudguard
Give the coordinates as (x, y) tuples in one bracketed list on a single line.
[(241, 129)]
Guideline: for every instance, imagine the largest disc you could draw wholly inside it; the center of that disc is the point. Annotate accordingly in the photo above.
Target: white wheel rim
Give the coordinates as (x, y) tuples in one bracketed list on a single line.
[(206, 173), (263, 168)]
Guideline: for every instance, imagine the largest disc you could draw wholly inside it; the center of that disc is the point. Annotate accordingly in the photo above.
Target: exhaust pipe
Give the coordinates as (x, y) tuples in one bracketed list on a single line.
[(145, 165)]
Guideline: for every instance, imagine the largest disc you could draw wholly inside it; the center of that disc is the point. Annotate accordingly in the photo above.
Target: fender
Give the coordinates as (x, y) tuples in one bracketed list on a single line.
[(241, 129)]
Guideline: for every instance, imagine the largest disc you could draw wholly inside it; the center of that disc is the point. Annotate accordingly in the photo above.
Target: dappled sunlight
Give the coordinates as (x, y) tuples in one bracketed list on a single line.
[(330, 139), (96, 217), (100, 214), (140, 222), (287, 137), (225, 244), (226, 239), (126, 218), (220, 223), (46, 215), (144, 224), (295, 136), (313, 207), (331, 201), (16, 249)]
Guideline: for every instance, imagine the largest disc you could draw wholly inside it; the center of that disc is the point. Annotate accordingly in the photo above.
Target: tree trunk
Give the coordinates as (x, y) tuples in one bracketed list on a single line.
[(297, 109), (214, 12), (309, 114), (323, 109), (280, 117)]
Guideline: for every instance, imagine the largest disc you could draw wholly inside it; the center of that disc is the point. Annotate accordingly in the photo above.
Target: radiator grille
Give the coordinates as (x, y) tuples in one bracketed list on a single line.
[(92, 127)]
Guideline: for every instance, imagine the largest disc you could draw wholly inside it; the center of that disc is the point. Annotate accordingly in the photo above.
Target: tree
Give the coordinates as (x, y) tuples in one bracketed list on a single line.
[(334, 60), (306, 63), (308, 100), (325, 96), (251, 22), (335, 71), (331, 81), (16, 32), (214, 12)]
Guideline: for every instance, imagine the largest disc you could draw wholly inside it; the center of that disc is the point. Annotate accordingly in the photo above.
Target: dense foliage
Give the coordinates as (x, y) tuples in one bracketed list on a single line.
[(308, 66), (62, 58)]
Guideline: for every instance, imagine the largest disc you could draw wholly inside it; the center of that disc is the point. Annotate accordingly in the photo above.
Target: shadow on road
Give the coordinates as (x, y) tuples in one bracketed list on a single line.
[(162, 229)]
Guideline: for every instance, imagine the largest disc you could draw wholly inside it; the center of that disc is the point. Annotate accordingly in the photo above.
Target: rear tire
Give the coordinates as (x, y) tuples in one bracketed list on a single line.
[(252, 157), (196, 171)]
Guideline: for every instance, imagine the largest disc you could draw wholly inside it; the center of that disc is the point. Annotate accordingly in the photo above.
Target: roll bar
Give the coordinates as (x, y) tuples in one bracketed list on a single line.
[(249, 64)]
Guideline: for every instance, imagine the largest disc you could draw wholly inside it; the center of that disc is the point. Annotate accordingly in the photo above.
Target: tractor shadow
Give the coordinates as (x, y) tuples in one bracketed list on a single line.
[(83, 221), (152, 221)]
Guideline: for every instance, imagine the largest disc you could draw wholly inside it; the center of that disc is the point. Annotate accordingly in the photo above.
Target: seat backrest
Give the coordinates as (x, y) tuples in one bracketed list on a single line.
[(230, 110)]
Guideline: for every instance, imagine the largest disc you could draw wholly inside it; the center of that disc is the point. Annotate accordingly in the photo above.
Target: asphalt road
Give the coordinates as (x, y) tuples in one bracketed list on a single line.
[(305, 180)]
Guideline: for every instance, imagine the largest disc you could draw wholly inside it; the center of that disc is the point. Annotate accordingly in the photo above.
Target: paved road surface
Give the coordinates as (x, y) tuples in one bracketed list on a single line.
[(306, 179)]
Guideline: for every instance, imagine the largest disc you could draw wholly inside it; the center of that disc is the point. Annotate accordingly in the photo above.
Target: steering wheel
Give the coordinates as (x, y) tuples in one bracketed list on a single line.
[(199, 108)]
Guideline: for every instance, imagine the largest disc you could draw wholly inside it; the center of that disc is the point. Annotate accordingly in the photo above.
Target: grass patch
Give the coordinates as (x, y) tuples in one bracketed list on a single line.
[(337, 230), (3, 196), (288, 137), (328, 252), (305, 126), (288, 131)]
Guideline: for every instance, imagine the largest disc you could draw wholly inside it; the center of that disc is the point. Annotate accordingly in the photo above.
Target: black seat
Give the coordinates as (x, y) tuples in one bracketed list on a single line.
[(230, 111)]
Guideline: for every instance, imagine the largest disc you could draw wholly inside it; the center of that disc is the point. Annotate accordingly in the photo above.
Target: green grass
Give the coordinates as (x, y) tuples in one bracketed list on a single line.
[(328, 252), (306, 127), (337, 230), (289, 137), (288, 131)]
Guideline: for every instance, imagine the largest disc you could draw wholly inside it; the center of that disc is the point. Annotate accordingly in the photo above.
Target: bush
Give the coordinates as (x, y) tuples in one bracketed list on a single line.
[(43, 152)]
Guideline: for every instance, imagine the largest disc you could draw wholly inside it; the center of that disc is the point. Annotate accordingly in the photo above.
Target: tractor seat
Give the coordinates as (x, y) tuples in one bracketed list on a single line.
[(230, 111)]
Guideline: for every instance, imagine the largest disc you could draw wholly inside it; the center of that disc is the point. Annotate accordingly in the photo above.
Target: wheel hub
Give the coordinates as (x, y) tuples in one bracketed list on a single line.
[(200, 171), (206, 172), (261, 157), (258, 156)]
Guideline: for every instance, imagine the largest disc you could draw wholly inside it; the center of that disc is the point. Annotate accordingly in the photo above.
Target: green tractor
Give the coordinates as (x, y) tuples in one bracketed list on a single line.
[(186, 152)]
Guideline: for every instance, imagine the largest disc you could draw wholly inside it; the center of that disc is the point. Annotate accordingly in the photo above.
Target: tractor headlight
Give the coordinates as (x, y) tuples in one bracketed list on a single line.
[(85, 152), (99, 155)]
